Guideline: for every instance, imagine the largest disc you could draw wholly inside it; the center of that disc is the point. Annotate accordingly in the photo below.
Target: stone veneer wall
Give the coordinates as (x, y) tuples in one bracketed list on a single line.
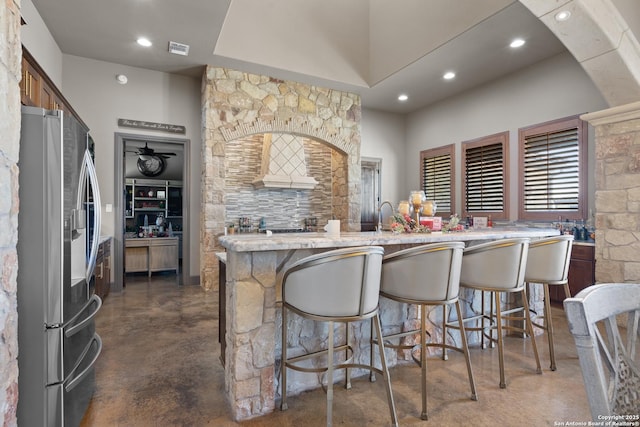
[(283, 208), (10, 70), (617, 193), (339, 193), (236, 105)]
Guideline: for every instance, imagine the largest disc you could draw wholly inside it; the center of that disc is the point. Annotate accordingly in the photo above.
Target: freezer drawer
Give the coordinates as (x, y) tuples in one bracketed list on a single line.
[(67, 343), (68, 401)]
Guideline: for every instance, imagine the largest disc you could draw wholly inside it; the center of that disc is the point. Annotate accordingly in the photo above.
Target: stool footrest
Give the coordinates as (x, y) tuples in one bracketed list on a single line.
[(291, 362)]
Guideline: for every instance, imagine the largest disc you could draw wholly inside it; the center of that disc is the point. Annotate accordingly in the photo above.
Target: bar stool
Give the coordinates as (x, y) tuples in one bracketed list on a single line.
[(548, 263), (343, 286), (498, 267), (427, 275)]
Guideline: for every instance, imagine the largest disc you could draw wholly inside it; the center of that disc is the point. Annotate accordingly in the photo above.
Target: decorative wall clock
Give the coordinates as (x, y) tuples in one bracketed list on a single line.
[(151, 165)]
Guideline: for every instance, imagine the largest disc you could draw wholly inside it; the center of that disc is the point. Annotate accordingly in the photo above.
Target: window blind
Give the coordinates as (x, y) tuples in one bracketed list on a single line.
[(436, 180), (484, 178), (552, 172)]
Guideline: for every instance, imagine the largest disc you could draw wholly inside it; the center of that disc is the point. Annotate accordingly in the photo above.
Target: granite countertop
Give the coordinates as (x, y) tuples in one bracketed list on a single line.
[(262, 242)]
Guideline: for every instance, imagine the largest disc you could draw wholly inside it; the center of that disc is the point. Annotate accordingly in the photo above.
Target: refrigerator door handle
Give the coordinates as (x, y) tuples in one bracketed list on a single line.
[(78, 215), (88, 319), (97, 212), (78, 379)]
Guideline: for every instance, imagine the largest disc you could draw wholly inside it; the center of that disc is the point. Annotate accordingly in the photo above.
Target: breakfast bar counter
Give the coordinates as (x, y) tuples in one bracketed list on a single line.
[(254, 264)]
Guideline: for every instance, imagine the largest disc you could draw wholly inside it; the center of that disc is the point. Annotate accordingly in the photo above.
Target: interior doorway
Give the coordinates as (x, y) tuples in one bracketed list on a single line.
[(370, 196), (134, 161)]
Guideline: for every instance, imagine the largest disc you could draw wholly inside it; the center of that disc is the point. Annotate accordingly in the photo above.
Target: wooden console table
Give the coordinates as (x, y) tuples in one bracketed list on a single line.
[(151, 254)]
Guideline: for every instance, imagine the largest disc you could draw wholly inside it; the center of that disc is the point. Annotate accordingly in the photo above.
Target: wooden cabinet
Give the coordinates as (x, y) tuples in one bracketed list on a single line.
[(582, 272), (47, 97), (151, 254), (163, 254), (30, 84), (136, 258), (37, 90), (103, 269)]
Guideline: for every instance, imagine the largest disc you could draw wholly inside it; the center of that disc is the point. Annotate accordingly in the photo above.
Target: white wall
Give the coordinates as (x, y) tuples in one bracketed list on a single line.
[(37, 39), (383, 137), (91, 88), (552, 89)]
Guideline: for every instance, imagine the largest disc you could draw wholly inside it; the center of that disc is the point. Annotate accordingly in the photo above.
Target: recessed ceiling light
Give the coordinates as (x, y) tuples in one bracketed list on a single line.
[(563, 15), (122, 79), (449, 75), (143, 41), (403, 97), (517, 43)]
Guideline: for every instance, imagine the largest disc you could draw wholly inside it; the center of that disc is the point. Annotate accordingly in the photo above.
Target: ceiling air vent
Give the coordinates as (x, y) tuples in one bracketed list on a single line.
[(179, 48)]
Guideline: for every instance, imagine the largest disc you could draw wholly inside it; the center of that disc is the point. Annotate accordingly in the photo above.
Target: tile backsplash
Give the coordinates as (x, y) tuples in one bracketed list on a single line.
[(280, 208)]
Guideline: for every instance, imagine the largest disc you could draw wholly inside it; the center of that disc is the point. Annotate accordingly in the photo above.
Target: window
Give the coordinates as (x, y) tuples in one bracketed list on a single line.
[(553, 166), (437, 178), (484, 176)]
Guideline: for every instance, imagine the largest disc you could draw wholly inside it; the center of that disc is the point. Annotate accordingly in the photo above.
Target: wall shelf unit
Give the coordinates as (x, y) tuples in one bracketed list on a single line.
[(151, 198)]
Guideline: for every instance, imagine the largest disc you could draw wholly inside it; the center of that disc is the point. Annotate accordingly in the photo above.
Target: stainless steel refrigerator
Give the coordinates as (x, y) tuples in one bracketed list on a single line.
[(58, 237)]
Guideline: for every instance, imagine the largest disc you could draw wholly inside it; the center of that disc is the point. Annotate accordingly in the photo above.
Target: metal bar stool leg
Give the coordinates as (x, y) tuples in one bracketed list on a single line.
[(444, 332), (283, 362), (347, 383), (529, 325), (482, 311), (372, 374), (494, 298), (503, 383), (385, 370), (423, 360), (465, 348), (330, 378), (548, 326)]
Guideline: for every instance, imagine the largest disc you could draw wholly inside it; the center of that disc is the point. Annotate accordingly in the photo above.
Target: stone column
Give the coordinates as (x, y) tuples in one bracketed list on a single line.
[(10, 70), (617, 193), (250, 352)]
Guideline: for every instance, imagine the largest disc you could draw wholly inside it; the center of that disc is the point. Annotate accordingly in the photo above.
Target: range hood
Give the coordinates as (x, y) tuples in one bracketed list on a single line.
[(283, 163)]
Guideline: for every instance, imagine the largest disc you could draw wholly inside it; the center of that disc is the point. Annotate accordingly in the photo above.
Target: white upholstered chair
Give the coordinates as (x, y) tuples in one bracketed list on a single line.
[(548, 263), (498, 267), (342, 286), (427, 275), (604, 320)]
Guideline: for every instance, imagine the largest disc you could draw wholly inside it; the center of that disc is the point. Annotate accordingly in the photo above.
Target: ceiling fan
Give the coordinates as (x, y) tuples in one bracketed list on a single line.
[(146, 153)]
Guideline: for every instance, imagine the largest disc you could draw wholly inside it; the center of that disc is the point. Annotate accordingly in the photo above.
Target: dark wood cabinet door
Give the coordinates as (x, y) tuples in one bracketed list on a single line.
[(582, 269), (580, 275)]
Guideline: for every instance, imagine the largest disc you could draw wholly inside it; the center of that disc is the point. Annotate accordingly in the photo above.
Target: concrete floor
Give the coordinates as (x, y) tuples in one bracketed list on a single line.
[(160, 367)]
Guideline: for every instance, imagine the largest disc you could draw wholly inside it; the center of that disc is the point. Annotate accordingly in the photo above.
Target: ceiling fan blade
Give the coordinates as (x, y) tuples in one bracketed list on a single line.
[(158, 153)]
